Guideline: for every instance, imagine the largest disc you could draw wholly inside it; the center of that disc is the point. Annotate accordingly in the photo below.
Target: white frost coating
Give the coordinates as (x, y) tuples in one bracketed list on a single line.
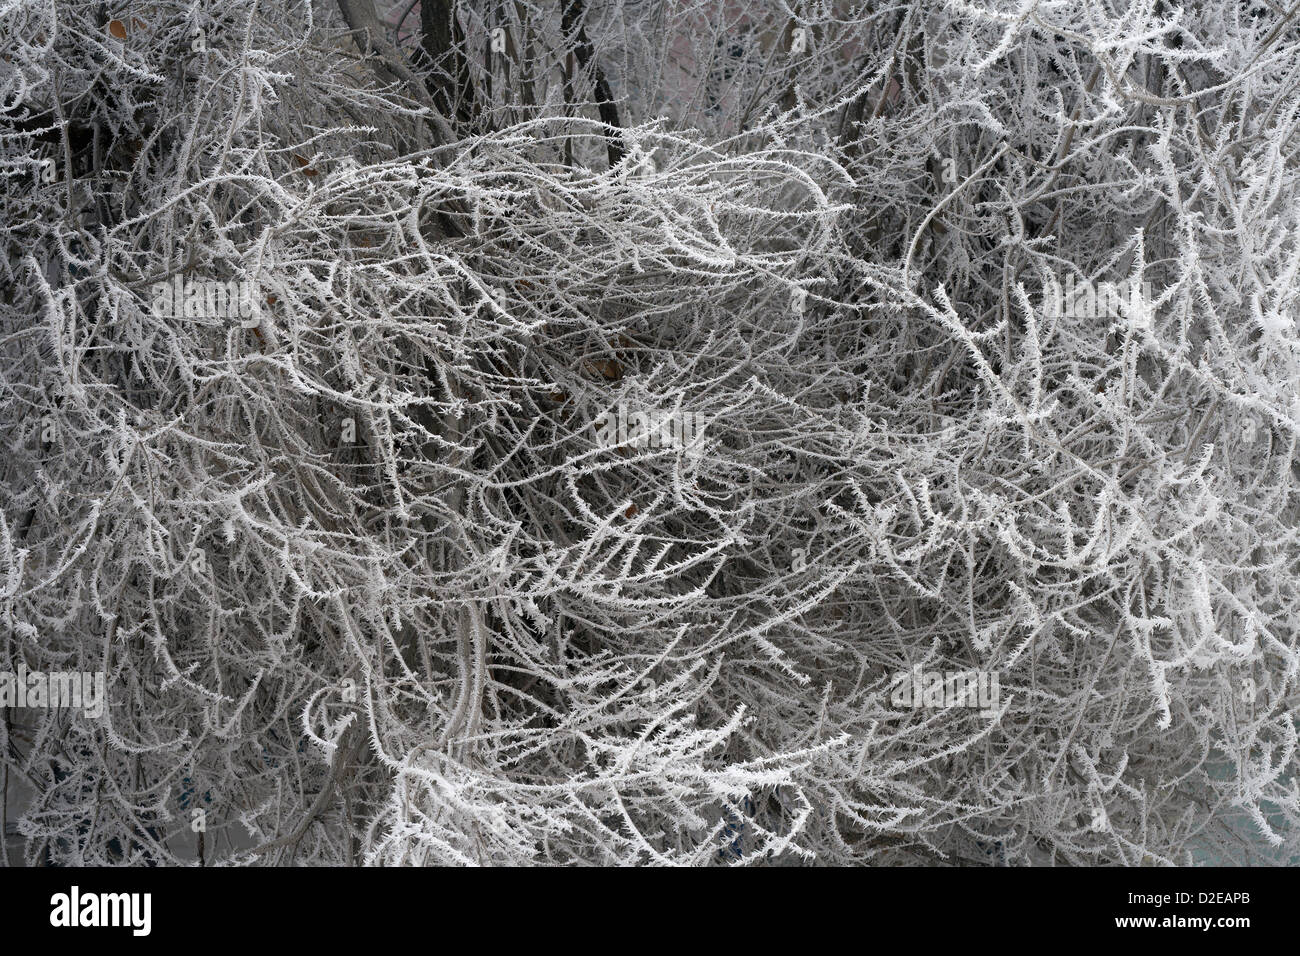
[(368, 587)]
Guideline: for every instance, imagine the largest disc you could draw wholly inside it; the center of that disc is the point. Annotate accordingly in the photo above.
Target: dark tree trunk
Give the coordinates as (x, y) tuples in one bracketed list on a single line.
[(575, 34)]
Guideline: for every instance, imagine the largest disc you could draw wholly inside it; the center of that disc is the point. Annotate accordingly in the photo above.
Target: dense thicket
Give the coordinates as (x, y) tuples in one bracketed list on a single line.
[(366, 586)]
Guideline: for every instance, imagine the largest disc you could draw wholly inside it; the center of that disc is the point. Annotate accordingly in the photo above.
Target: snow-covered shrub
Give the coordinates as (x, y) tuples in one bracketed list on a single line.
[(312, 313)]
